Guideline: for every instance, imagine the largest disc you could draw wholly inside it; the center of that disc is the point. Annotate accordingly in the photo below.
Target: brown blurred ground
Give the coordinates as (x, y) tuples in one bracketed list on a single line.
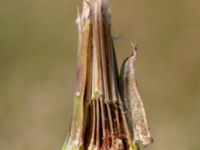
[(38, 59)]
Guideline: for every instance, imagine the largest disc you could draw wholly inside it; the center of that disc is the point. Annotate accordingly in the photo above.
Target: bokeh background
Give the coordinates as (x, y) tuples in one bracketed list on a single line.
[(38, 46)]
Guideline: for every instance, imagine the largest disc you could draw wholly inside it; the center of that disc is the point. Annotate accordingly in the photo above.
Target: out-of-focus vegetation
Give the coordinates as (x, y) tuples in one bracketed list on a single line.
[(38, 45)]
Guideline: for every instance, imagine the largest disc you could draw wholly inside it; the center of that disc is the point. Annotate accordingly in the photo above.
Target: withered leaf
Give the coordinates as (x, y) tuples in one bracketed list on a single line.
[(135, 109)]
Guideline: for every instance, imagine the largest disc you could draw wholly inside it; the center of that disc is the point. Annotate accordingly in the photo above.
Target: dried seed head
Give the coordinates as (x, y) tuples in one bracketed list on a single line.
[(102, 117)]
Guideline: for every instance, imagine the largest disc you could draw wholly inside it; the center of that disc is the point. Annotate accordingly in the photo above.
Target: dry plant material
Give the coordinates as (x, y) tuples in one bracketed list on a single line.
[(108, 112)]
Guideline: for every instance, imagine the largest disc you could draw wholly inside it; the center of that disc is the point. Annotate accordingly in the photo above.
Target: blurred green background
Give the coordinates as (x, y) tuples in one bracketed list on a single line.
[(38, 46)]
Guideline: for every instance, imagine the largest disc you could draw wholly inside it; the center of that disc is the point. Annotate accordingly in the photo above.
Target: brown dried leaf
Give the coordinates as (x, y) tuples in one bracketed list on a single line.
[(133, 102)]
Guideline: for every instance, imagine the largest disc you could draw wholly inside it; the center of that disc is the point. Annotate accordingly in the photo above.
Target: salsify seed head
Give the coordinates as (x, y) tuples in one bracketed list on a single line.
[(108, 112)]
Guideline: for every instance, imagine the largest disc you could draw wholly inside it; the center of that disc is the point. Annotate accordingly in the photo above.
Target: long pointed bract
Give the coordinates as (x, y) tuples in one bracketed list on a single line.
[(133, 102)]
